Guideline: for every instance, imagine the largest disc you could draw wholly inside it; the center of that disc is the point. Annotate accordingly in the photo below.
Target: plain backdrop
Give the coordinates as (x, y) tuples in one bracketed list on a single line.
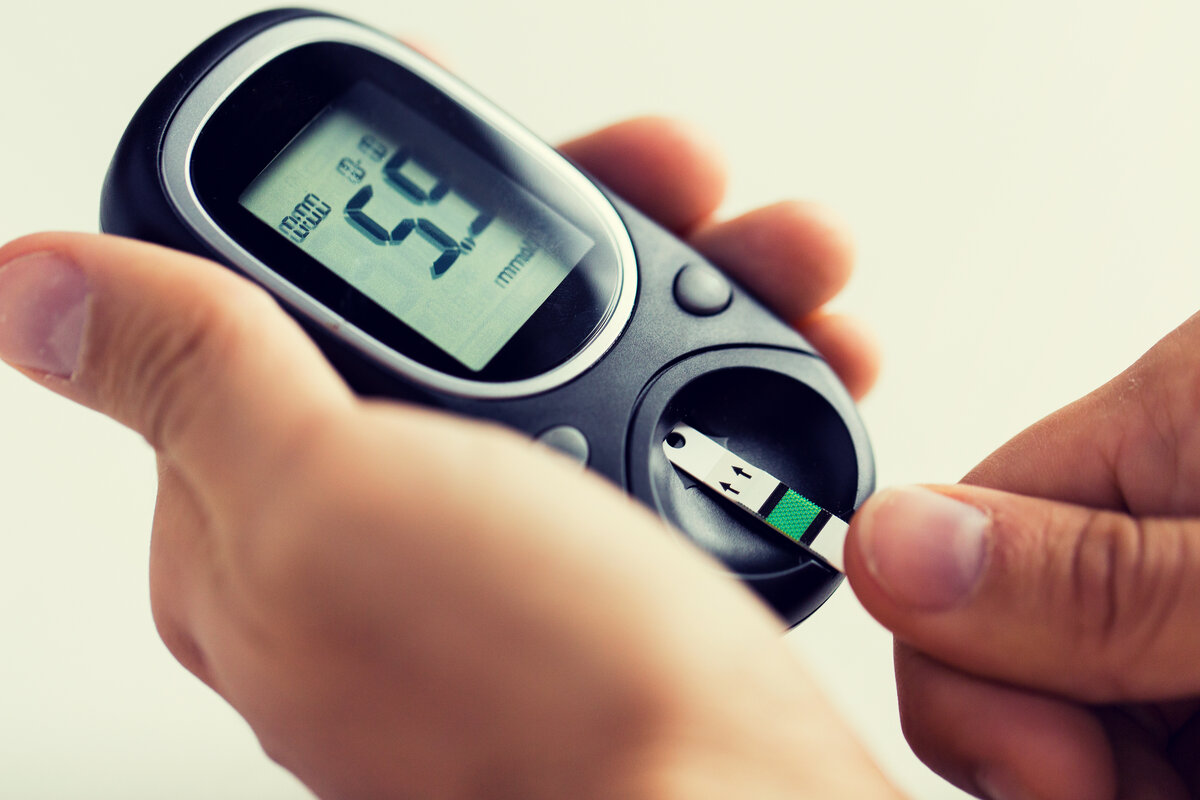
[(1022, 179)]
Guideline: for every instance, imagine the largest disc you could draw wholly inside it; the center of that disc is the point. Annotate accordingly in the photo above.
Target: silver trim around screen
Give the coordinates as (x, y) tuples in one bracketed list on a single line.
[(212, 90)]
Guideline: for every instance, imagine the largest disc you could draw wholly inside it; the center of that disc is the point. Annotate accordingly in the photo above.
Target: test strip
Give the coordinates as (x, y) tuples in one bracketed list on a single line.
[(757, 491)]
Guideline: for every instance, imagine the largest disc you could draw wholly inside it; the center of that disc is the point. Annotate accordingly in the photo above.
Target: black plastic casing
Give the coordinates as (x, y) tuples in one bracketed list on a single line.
[(740, 375)]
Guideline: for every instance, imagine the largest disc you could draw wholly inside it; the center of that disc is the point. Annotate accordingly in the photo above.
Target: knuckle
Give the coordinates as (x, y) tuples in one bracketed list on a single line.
[(178, 545), (170, 623), (1105, 546), (1125, 583), (275, 746), (181, 644)]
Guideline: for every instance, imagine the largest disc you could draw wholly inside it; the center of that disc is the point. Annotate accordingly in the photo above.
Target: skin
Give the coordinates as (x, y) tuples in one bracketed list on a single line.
[(316, 560), (1070, 669)]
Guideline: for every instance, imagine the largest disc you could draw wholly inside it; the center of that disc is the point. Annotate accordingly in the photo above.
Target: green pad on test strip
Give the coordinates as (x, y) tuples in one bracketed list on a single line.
[(793, 515)]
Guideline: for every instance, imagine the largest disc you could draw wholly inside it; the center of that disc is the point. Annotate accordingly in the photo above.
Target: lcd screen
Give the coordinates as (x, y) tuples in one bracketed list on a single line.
[(423, 226)]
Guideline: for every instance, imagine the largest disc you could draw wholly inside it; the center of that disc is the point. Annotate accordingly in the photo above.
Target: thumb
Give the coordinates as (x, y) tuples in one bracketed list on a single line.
[(1095, 605), (199, 361)]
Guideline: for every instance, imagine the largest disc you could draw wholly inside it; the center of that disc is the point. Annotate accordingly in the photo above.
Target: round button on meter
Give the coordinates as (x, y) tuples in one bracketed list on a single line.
[(701, 290), (438, 251), (566, 440)]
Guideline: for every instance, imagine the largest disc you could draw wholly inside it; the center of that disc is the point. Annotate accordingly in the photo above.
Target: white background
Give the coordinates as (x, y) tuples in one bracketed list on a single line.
[(1021, 178)]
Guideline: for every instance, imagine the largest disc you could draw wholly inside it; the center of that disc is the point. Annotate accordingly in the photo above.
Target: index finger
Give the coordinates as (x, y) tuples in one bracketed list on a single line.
[(667, 169)]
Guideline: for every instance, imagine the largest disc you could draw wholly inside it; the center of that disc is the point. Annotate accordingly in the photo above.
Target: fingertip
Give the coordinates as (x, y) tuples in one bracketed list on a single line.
[(792, 255), (849, 348), (667, 168), (815, 237), (45, 284), (43, 301), (923, 552)]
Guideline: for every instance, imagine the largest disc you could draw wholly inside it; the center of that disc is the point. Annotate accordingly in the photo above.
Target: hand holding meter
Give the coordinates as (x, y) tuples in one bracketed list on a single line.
[(438, 252)]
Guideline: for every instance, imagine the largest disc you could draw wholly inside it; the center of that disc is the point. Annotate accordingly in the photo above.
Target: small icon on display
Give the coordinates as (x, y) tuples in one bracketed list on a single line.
[(372, 148), (352, 170)]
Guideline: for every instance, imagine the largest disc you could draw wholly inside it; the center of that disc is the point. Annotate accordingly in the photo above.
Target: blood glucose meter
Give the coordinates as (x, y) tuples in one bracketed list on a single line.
[(440, 253)]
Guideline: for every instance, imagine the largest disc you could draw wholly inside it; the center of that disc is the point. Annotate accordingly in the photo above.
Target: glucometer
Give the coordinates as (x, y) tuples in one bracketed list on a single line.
[(440, 253)]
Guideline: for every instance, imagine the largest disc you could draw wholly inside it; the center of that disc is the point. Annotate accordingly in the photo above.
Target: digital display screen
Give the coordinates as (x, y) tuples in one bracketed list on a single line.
[(417, 222)]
